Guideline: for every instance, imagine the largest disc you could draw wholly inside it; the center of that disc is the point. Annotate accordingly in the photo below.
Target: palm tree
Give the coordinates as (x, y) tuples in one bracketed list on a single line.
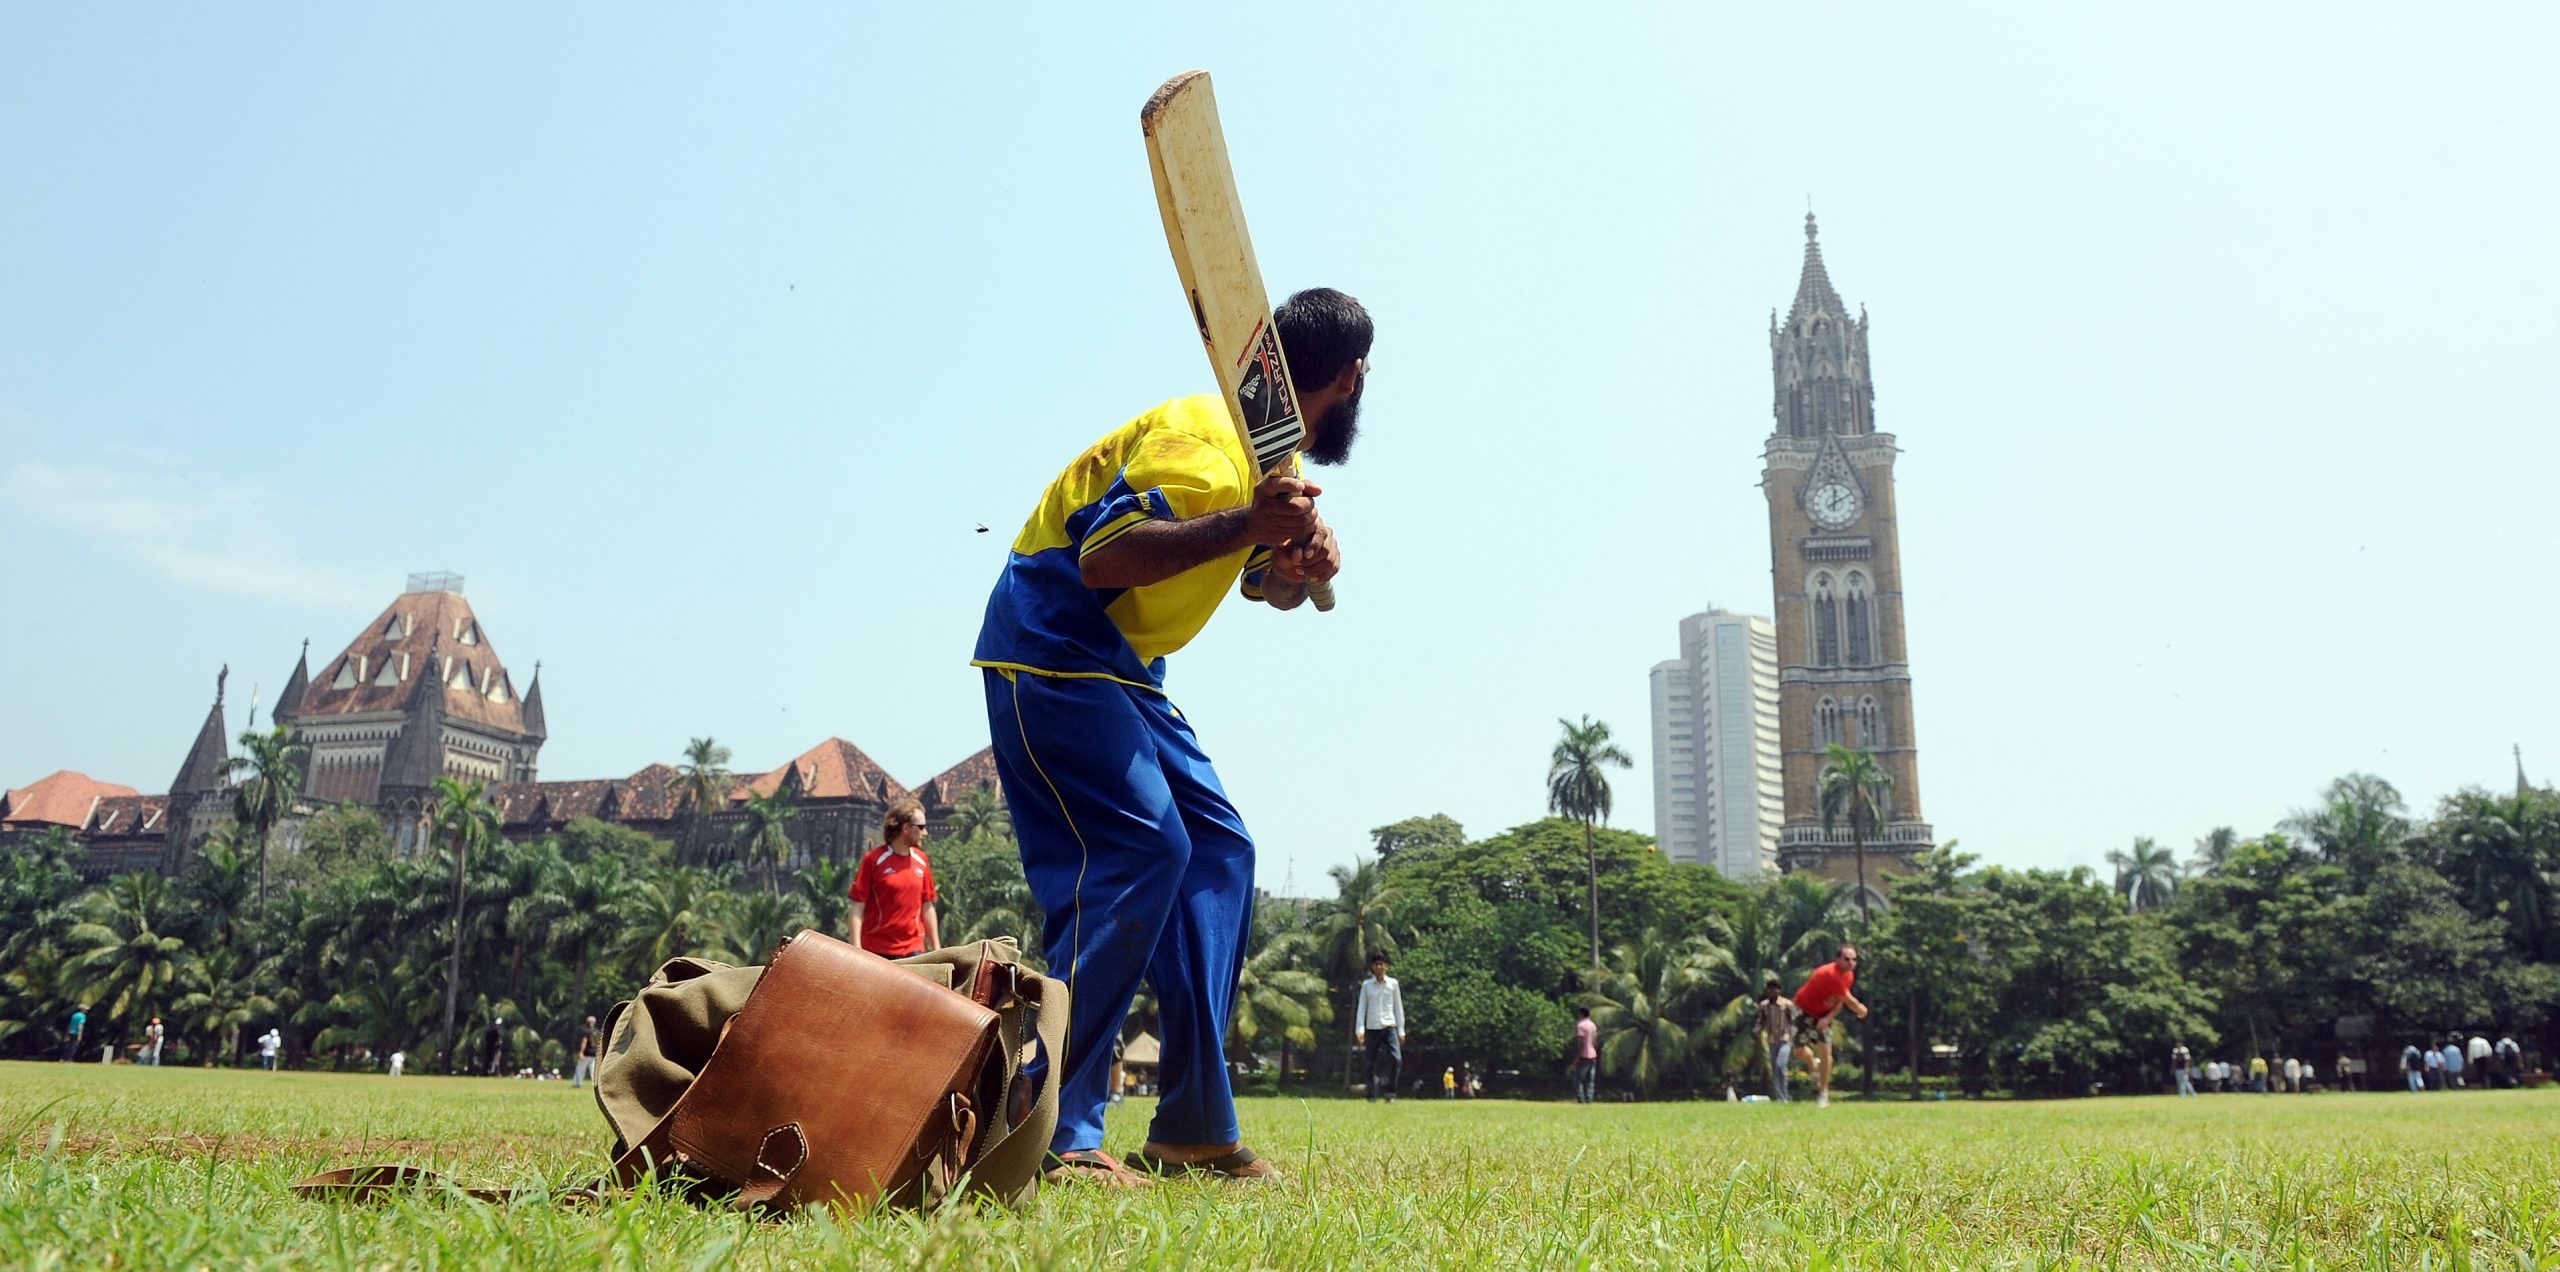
[(463, 820), (1277, 995), (767, 835), (536, 901), (2147, 875), (980, 812), (2215, 849), (1853, 786), (128, 964), (1643, 1006), (1360, 920), (2359, 821), (702, 781), (672, 912), (822, 888), (274, 766), (1578, 788), (598, 892)]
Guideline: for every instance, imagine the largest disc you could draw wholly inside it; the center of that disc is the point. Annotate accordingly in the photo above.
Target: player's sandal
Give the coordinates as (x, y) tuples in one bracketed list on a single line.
[(1092, 1166), (1243, 1165)]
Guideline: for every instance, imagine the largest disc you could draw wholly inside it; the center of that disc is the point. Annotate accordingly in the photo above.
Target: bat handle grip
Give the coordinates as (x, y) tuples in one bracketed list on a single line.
[(1321, 592)]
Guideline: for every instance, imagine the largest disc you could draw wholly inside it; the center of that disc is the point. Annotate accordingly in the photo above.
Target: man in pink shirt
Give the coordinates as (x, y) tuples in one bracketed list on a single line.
[(1586, 1057)]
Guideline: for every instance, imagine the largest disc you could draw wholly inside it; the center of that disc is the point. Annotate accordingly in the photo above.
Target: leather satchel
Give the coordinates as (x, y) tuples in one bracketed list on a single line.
[(829, 1076), (844, 1080)]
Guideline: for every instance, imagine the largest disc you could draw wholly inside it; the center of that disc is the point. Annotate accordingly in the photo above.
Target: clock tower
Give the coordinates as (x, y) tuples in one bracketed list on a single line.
[(1844, 675)]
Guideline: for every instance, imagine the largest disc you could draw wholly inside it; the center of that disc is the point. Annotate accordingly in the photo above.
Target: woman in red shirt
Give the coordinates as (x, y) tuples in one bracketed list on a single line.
[(892, 890)]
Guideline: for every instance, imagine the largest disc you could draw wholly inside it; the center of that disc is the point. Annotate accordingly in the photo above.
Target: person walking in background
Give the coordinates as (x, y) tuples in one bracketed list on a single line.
[(493, 1047), (153, 1038), (1449, 1083), (2412, 1069), (2180, 1062), (1586, 1057), (2475, 1058), (399, 1061), (2510, 1063), (2293, 1075), (1379, 1023), (590, 1045), (2258, 1075), (269, 1043), (1774, 1025), (2433, 1059), (2452, 1065), (2346, 1072), (893, 895), (75, 1033)]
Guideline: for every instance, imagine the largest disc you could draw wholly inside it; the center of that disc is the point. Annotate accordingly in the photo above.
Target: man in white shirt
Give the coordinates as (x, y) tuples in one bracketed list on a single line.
[(153, 1038), (1379, 1022), (268, 1044)]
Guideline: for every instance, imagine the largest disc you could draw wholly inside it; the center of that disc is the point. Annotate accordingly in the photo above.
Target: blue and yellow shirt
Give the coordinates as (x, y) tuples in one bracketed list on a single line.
[(1178, 461)]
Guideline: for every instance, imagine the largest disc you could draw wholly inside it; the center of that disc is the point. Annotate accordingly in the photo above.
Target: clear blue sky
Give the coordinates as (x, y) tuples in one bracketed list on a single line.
[(2220, 345)]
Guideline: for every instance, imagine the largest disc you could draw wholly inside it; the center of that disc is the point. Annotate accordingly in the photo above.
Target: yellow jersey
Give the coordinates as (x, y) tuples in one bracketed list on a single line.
[(1178, 461)]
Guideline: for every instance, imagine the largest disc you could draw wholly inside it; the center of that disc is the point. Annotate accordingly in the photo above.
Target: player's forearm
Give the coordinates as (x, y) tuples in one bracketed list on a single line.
[(1154, 551)]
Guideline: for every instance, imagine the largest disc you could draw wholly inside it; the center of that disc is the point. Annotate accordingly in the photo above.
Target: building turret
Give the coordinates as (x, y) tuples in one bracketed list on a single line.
[(208, 766), (295, 685)]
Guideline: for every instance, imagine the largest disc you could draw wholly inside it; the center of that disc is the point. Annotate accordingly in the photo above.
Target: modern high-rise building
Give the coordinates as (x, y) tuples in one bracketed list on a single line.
[(1718, 791)]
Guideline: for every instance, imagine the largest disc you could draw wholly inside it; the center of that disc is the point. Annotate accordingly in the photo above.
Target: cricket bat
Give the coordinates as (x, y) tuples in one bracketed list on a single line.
[(1213, 252)]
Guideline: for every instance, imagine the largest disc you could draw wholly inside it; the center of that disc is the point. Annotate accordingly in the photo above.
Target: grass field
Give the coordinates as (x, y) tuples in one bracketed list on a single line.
[(181, 1168)]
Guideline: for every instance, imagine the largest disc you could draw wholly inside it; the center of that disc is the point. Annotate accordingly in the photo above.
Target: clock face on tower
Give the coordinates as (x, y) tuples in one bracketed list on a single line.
[(1834, 504)]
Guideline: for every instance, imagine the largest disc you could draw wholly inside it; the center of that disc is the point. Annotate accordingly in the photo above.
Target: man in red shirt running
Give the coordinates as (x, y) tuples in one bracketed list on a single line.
[(892, 892), (1824, 994)]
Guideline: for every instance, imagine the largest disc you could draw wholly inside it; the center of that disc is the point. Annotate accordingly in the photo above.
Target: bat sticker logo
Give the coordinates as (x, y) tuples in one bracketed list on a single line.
[(1270, 418)]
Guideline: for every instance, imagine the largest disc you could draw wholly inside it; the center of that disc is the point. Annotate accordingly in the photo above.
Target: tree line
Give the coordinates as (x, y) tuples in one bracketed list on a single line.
[(2351, 927)]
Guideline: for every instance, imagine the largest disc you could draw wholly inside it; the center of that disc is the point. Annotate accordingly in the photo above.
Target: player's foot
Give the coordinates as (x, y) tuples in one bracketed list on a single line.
[(1092, 1166), (1822, 1101), (1208, 1161)]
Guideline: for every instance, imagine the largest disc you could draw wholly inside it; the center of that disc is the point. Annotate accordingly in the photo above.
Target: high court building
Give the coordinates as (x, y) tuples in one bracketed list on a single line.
[(420, 693)]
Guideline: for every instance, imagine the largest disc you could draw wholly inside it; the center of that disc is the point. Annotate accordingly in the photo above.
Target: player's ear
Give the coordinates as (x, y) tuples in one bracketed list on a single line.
[(1349, 377)]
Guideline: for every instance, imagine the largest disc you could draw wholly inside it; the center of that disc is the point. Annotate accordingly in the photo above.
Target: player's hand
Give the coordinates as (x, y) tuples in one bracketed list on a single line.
[(1317, 556), (1284, 508)]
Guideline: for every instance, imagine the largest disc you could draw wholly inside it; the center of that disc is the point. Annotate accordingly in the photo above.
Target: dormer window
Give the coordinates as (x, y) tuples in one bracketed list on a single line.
[(348, 675), (467, 632)]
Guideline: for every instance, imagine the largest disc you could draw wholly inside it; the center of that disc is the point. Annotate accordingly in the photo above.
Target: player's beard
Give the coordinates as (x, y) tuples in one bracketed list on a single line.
[(1338, 429)]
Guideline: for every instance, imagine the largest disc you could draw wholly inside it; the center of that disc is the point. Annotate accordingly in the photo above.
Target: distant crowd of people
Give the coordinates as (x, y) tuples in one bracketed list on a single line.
[(2450, 1066)]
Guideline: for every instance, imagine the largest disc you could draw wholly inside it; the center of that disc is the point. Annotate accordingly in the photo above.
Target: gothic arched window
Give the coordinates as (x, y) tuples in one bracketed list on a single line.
[(1870, 725), (1862, 626), (1826, 723), (1826, 622)]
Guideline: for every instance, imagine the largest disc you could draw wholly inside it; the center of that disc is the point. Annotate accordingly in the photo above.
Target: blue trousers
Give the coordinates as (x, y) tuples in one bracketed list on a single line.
[(1145, 873)]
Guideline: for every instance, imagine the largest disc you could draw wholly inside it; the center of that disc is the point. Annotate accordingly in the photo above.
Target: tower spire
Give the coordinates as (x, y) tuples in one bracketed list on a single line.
[(1814, 293), (208, 763), (2523, 788)]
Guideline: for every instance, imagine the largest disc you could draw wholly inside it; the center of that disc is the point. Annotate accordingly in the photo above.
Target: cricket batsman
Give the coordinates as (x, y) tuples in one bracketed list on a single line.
[(1141, 865)]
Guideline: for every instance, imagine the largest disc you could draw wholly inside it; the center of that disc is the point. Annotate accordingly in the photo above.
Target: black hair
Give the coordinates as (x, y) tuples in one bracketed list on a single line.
[(1322, 331), (1377, 958), (1582, 1011)]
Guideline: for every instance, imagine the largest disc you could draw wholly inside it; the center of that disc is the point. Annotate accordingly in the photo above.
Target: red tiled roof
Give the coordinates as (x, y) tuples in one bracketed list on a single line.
[(833, 769), (648, 795), (125, 816), (63, 799), (946, 790), (404, 634)]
